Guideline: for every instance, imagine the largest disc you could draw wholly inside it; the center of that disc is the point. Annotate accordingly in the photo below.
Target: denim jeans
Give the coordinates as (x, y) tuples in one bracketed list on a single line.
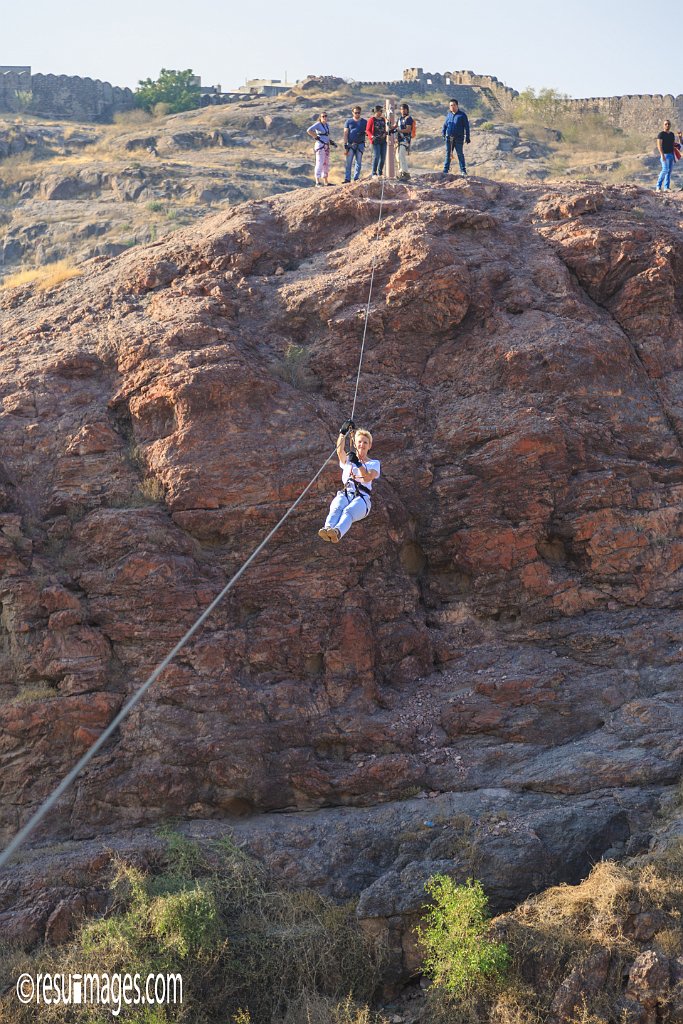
[(664, 179), (354, 153), (343, 513), (457, 145), (379, 151)]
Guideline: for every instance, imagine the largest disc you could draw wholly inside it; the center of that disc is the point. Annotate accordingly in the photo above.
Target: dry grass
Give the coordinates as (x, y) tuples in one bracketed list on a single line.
[(132, 118), (14, 169), (248, 951), (595, 910), (311, 1008), (38, 691), (43, 278)]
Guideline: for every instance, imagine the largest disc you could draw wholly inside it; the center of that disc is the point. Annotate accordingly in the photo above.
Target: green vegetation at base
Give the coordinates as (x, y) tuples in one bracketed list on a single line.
[(247, 949), (547, 939), (459, 953), (175, 90)]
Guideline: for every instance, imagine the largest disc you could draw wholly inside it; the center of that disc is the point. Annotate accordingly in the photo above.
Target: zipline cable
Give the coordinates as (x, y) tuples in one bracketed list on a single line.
[(367, 307), (47, 805)]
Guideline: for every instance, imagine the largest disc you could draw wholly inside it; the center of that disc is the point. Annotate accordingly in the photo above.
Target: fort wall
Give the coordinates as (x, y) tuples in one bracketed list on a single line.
[(631, 113), (67, 97), (74, 98)]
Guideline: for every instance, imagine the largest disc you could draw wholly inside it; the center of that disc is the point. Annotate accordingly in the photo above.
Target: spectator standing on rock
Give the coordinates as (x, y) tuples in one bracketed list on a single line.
[(456, 132), (404, 135), (377, 134), (320, 131), (665, 144), (354, 143)]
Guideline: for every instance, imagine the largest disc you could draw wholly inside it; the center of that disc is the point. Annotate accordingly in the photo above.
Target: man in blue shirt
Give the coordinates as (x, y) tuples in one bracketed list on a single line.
[(354, 143), (456, 131)]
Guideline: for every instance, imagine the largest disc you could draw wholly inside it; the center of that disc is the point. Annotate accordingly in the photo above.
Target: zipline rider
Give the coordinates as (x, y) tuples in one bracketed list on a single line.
[(358, 471)]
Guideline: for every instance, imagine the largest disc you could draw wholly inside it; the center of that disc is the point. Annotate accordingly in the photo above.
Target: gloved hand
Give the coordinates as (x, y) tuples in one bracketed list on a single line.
[(333, 144), (346, 426), (354, 459), (346, 149)]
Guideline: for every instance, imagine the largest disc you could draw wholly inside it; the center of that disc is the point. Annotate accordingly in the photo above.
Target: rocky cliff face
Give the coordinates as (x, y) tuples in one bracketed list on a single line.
[(486, 674)]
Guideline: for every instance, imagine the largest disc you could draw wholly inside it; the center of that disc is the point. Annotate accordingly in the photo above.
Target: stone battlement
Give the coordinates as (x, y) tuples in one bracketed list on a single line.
[(631, 112), (417, 79), (634, 112), (62, 96)]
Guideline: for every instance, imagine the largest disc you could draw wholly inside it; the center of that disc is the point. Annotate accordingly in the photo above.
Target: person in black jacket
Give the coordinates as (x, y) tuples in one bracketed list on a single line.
[(456, 132)]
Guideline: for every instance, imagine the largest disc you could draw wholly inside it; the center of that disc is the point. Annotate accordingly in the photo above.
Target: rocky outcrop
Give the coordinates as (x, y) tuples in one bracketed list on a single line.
[(487, 671)]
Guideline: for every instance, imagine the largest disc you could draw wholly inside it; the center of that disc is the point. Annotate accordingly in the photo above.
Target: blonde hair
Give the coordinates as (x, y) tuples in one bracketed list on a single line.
[(363, 433)]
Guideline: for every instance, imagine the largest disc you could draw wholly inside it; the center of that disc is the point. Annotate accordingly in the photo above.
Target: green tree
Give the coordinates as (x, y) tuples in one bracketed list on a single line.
[(544, 106), (177, 90), (459, 954)]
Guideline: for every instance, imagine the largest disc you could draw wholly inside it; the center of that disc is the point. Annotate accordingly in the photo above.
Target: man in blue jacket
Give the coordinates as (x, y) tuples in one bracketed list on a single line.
[(456, 131)]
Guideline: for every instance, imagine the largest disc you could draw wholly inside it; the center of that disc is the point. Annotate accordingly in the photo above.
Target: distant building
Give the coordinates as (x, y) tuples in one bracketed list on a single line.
[(17, 68), (266, 86)]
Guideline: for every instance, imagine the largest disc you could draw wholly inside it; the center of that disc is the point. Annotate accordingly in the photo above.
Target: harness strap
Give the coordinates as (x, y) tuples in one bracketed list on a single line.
[(356, 489)]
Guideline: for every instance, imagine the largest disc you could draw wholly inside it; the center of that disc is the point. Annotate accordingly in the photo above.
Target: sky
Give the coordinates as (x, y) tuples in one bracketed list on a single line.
[(583, 48)]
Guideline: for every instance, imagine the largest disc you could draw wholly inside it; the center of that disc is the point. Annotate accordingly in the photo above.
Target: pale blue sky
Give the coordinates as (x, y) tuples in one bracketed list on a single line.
[(584, 48)]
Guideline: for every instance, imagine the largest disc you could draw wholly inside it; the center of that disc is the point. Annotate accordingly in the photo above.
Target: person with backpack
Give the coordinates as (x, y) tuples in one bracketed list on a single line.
[(354, 144), (352, 503), (377, 133), (456, 132), (320, 131), (405, 133)]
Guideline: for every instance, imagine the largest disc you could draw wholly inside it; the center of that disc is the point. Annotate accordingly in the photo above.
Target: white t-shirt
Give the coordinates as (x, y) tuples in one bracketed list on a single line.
[(349, 470), (321, 130)]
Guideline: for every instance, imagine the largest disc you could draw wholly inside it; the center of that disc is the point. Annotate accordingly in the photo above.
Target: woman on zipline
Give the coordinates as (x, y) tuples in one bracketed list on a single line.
[(358, 471)]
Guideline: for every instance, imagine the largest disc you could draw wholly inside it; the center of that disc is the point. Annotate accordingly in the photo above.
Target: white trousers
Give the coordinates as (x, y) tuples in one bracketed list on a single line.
[(322, 161), (403, 152), (343, 513)]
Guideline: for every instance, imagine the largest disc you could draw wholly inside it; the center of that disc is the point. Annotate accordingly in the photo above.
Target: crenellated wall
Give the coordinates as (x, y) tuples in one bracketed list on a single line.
[(632, 113), (62, 96), (417, 79), (87, 99)]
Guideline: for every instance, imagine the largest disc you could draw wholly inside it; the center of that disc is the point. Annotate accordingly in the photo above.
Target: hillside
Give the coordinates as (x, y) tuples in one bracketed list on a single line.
[(70, 191), (484, 677)]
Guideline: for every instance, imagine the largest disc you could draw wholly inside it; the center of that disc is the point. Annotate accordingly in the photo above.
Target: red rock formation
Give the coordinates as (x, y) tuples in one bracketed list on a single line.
[(508, 618)]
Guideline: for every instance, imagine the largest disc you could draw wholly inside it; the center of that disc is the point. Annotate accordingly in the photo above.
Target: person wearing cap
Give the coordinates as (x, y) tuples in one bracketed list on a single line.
[(666, 140), (354, 143), (320, 131), (456, 132)]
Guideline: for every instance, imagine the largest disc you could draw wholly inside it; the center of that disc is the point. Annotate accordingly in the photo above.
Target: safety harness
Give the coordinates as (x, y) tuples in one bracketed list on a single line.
[(353, 489)]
